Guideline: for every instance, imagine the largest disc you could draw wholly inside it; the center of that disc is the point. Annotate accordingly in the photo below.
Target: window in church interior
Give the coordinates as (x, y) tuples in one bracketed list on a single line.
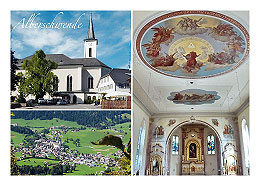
[(211, 144), (69, 83), (175, 145), (245, 133), (90, 82), (140, 147)]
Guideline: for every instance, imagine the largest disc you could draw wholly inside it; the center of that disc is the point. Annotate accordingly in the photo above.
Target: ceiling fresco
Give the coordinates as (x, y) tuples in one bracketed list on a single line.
[(193, 97), (192, 44)]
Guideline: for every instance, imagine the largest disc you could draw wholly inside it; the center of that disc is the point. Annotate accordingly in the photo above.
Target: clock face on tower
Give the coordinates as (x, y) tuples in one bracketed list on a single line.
[(90, 44)]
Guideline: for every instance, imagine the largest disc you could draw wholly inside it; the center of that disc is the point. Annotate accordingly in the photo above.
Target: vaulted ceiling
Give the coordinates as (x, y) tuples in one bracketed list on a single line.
[(153, 88)]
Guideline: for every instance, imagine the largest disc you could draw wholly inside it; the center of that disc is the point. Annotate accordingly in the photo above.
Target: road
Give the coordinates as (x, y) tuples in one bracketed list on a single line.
[(61, 107)]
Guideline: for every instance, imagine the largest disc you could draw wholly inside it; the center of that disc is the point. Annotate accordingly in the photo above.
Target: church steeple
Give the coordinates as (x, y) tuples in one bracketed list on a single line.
[(91, 34), (90, 43)]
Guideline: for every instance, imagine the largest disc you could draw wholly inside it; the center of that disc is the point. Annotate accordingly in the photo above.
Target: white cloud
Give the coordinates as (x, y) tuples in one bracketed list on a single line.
[(71, 47), (16, 44), (39, 38)]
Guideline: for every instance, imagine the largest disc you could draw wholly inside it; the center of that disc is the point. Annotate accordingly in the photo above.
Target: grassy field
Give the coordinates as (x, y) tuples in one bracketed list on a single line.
[(85, 170), (44, 123), (36, 161), (85, 136), (16, 138)]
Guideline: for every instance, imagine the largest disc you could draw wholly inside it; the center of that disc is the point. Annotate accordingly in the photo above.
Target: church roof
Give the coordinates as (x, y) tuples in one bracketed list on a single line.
[(86, 62), (63, 60)]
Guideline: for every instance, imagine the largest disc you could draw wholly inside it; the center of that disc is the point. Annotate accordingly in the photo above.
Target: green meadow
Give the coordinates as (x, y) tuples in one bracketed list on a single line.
[(37, 123), (85, 136)]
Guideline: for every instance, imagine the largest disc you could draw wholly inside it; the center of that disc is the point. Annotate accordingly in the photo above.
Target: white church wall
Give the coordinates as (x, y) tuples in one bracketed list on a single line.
[(80, 97), (96, 74), (93, 46), (175, 167), (211, 163), (139, 117), (218, 130), (243, 115), (62, 74)]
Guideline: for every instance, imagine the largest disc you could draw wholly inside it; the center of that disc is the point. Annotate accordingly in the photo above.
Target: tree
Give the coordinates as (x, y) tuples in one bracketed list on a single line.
[(116, 142), (14, 78), (14, 166), (124, 162), (38, 78)]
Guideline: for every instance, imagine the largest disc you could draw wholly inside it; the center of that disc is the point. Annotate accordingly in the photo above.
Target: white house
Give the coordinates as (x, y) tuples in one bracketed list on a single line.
[(78, 77), (115, 83)]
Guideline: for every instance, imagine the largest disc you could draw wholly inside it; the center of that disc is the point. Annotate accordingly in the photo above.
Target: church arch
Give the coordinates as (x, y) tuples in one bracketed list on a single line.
[(192, 122), (200, 148)]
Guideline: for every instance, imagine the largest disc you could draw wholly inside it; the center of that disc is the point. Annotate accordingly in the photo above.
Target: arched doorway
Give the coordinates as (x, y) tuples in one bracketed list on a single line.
[(74, 99), (199, 149)]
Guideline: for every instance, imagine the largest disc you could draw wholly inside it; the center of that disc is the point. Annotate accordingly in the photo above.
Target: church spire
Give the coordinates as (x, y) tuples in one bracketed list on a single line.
[(90, 43), (91, 34)]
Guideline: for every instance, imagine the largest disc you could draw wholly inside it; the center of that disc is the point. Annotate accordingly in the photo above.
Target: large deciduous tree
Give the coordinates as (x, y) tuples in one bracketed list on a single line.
[(38, 78)]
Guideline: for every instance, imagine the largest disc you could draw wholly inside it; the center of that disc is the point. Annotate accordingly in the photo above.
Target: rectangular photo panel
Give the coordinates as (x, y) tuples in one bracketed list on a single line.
[(70, 59), (70, 143)]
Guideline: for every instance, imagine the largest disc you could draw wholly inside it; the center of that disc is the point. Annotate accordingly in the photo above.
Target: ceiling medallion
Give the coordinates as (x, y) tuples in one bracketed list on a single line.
[(192, 44)]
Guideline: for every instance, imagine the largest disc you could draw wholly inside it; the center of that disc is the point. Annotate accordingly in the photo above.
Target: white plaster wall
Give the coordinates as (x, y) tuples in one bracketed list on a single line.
[(90, 44), (80, 97), (96, 74), (243, 114), (122, 89), (139, 115), (62, 74), (175, 166), (219, 129), (211, 164), (105, 84)]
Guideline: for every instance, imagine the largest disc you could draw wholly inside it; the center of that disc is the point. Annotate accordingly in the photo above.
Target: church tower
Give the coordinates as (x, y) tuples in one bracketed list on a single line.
[(90, 44)]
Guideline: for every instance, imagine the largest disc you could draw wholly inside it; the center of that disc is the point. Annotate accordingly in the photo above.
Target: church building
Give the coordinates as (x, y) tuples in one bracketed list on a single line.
[(78, 77), (191, 93)]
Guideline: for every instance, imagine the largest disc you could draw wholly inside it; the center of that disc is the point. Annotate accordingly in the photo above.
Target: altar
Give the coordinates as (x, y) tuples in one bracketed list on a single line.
[(193, 168), (192, 158)]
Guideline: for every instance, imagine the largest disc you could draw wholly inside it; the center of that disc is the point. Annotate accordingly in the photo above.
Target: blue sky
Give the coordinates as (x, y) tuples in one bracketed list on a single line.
[(112, 29)]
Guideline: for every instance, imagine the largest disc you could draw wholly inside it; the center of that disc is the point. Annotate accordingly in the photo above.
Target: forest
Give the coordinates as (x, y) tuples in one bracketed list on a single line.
[(97, 119)]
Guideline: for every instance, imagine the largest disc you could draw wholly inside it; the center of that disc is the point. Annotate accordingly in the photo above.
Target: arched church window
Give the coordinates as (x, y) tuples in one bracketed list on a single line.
[(245, 133), (175, 145), (90, 52), (90, 82), (140, 147), (69, 83), (211, 144), (56, 84)]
